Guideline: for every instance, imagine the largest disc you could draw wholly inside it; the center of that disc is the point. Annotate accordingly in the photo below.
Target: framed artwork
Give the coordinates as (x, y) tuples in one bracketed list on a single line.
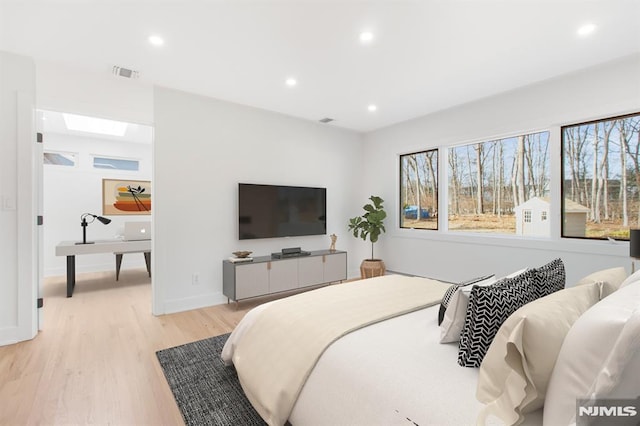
[(126, 197)]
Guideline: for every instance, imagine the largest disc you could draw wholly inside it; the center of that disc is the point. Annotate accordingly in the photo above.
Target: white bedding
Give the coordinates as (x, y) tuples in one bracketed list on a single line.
[(390, 373), (277, 353), (396, 372)]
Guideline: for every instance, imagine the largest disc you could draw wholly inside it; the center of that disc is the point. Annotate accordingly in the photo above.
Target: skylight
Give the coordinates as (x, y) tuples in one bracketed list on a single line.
[(99, 126)]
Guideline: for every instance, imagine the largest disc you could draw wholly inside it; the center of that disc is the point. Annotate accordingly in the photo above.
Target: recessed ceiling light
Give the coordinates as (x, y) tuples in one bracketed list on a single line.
[(291, 82), (156, 40), (366, 36), (586, 29), (372, 108)]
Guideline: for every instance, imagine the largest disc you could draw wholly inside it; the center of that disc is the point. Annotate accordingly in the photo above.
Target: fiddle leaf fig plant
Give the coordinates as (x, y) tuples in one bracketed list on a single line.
[(370, 225)]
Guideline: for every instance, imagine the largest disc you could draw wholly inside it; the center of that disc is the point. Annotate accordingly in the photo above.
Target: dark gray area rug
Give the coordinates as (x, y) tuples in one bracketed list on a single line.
[(206, 391)]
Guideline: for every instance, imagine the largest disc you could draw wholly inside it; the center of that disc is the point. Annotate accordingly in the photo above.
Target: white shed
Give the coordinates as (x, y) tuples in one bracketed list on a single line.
[(532, 218)]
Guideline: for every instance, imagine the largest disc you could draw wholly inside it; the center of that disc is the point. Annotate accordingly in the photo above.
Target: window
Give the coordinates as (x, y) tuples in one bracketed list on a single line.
[(66, 159), (527, 216), (419, 190), (492, 183), (601, 178), (115, 164), (543, 216)]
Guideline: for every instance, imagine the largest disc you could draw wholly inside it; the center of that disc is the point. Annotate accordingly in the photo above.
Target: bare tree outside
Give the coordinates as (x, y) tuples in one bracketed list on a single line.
[(488, 181), (601, 178), (419, 190)]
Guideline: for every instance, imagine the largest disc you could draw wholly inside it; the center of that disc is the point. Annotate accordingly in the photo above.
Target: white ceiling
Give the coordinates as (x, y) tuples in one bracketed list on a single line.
[(426, 55)]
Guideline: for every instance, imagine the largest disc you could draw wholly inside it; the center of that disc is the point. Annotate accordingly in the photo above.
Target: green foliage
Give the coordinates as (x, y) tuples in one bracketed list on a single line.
[(370, 225)]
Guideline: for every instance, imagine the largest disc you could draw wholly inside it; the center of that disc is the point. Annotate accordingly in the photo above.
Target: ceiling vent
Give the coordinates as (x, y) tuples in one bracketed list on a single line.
[(326, 120), (125, 72)]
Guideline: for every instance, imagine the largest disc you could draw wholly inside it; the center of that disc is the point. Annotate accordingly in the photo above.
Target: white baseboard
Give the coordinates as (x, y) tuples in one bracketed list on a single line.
[(194, 302), (12, 335)]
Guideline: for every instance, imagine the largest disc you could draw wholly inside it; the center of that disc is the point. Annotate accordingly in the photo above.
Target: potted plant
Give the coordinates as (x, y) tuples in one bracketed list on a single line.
[(369, 226)]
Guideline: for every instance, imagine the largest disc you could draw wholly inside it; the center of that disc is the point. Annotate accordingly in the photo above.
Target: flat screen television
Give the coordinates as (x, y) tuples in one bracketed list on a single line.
[(271, 211)]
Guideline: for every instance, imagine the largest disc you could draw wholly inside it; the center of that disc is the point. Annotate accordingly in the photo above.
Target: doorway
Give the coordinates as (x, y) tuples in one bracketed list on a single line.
[(79, 153)]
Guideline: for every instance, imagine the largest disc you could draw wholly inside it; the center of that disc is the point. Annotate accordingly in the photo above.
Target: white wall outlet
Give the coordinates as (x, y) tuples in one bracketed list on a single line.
[(195, 279)]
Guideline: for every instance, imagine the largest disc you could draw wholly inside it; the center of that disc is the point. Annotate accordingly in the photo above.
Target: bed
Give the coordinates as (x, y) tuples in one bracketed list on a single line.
[(391, 371)]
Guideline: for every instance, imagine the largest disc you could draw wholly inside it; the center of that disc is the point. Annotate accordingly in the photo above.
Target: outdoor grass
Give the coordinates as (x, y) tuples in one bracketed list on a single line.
[(506, 224)]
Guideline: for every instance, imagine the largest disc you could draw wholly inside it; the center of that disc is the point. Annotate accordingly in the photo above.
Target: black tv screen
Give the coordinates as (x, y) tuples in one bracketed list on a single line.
[(270, 211)]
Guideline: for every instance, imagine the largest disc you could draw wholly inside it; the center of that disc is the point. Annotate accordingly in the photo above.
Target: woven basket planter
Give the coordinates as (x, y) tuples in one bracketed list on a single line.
[(370, 268)]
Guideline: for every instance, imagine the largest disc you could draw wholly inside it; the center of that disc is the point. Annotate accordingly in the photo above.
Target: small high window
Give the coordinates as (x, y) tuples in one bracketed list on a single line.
[(116, 164), (66, 159)]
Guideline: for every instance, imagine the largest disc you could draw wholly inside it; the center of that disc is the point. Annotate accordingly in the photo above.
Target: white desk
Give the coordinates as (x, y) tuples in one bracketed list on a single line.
[(71, 250)]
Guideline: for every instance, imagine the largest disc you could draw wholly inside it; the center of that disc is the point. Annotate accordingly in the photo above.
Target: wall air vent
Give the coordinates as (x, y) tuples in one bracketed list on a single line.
[(326, 120), (125, 72)]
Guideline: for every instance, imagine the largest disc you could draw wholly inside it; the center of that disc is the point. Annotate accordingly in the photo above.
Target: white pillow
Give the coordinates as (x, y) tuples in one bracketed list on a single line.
[(631, 279), (453, 320), (599, 357), (515, 372), (611, 279)]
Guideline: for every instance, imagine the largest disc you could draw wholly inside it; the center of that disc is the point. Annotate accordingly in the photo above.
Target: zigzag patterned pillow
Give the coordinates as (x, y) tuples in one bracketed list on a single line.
[(488, 308), (550, 278)]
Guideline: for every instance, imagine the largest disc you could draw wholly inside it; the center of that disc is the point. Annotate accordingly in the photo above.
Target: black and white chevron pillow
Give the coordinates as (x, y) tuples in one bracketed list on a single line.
[(451, 290), (488, 308), (550, 278)]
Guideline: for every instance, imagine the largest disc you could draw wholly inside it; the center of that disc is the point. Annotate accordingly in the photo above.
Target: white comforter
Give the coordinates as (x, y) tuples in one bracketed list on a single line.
[(275, 355), (392, 373)]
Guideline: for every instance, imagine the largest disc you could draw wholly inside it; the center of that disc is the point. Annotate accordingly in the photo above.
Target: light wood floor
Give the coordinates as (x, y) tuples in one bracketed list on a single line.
[(94, 362)]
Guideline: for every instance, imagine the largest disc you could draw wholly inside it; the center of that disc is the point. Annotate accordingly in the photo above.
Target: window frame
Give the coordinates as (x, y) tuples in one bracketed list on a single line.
[(548, 130), (76, 158), (94, 157), (436, 197), (562, 175)]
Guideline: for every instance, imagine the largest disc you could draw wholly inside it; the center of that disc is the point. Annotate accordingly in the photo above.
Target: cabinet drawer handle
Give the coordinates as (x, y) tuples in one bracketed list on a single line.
[(268, 266), (324, 258)]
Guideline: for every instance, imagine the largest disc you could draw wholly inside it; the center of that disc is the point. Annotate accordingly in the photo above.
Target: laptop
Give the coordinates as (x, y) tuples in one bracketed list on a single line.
[(136, 231)]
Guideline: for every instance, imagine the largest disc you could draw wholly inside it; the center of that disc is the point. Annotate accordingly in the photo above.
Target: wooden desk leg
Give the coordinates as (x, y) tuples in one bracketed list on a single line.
[(147, 260), (71, 275)]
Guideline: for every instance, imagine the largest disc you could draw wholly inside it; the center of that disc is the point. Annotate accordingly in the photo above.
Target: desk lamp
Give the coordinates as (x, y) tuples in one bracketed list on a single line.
[(84, 224), (634, 247)]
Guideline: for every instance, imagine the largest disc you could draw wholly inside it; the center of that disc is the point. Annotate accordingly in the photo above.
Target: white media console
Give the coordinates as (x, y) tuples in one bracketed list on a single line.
[(267, 275)]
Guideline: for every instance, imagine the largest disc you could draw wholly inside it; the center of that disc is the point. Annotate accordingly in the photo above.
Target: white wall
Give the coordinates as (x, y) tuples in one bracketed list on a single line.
[(18, 204), (202, 149), (71, 191), (102, 95), (600, 92)]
